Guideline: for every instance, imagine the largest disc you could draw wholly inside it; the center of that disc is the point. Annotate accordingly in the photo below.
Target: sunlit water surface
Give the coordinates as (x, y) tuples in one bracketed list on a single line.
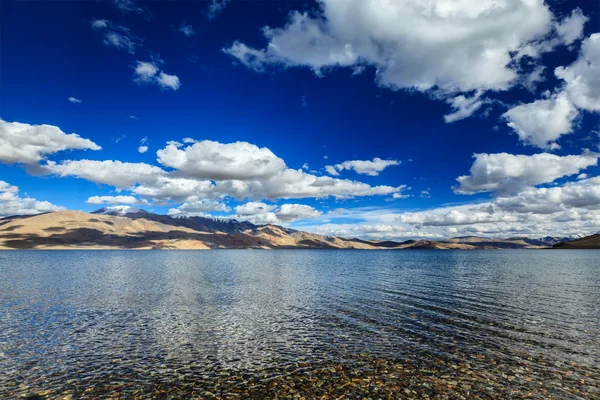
[(234, 322)]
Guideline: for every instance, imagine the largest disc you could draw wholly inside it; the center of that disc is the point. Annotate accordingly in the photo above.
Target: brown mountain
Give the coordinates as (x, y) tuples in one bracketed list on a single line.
[(588, 242), (143, 230)]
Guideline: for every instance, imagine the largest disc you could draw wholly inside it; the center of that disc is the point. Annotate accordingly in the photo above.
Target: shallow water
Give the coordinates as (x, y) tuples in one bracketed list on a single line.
[(265, 324)]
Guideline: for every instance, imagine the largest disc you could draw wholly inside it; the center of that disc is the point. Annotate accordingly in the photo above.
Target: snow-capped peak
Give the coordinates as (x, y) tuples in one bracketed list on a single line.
[(117, 210)]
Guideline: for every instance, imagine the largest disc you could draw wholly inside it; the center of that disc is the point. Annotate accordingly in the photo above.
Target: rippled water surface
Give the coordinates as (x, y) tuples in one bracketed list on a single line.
[(292, 324)]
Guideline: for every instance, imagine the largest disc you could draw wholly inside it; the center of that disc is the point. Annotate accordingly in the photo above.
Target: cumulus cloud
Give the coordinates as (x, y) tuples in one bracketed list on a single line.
[(74, 100), (142, 149), (28, 144), (149, 72), (572, 195), (145, 71), (121, 175), (571, 28), (166, 81), (505, 173), (213, 160), (195, 205), (112, 200), (582, 78), (453, 46), (542, 122), (261, 213), (214, 171), (572, 208), (12, 204), (187, 30), (363, 167), (567, 209)]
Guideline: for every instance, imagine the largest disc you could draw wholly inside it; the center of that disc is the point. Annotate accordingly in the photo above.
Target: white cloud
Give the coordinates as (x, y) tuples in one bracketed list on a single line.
[(142, 149), (145, 71), (253, 208), (401, 195), (463, 107), (582, 78), (174, 143), (112, 200), (261, 213), (216, 7), (116, 36), (12, 204), (187, 30), (188, 140), (28, 144), (100, 24), (74, 100), (298, 184), (571, 208), (120, 41), (542, 122), (295, 212), (571, 28), (178, 189), (363, 167), (214, 160), (572, 195), (195, 205), (167, 81), (5, 187), (121, 175), (148, 72), (212, 170), (331, 170), (144, 140), (447, 45), (129, 6), (505, 173)]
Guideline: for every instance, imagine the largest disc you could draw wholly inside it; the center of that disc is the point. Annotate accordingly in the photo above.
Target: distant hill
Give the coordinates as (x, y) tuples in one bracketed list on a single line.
[(555, 240), (588, 242), (131, 228)]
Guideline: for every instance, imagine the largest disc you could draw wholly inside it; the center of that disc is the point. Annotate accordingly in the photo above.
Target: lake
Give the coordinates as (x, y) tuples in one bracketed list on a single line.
[(300, 323)]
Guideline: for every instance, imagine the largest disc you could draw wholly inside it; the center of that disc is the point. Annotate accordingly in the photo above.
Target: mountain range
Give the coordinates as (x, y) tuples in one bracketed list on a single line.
[(131, 228)]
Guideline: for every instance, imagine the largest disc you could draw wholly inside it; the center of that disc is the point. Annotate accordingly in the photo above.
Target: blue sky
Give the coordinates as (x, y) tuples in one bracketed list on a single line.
[(356, 117)]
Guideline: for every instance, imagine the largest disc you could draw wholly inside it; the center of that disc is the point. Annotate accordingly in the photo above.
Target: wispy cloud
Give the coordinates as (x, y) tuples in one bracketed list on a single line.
[(216, 7), (187, 30), (131, 7), (74, 100), (117, 36)]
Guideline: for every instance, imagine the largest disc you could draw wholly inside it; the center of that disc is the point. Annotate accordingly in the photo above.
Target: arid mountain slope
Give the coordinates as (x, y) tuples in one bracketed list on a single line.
[(139, 229), (76, 229), (588, 242)]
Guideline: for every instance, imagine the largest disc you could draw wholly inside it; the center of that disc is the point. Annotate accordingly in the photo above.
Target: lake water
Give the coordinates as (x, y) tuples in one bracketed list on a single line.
[(300, 323)]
